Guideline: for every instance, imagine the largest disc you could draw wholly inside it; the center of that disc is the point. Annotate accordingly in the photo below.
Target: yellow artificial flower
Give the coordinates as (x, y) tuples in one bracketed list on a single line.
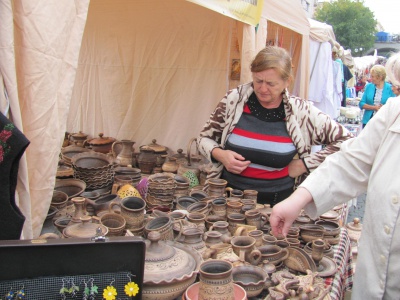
[(109, 293), (131, 289)]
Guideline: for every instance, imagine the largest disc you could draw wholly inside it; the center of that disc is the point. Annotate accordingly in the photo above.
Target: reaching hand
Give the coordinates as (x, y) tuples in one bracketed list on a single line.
[(284, 213)]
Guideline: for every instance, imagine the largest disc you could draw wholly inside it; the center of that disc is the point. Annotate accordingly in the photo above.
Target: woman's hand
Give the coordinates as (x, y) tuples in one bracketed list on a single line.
[(296, 168), (377, 107), (232, 161)]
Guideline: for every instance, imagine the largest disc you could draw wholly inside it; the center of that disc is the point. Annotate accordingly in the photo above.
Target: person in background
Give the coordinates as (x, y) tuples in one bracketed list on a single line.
[(259, 137), (361, 165), (361, 84), (376, 93)]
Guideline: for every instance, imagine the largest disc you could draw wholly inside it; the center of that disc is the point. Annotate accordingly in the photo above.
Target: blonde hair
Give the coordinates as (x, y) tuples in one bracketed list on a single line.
[(379, 71), (272, 57), (393, 69)]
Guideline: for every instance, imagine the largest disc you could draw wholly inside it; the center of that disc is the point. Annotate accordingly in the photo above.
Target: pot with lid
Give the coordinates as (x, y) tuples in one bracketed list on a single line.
[(150, 155), (170, 268), (101, 144), (85, 229), (77, 139)]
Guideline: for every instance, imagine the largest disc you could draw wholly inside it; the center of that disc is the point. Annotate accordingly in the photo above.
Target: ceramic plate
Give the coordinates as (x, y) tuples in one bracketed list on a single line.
[(331, 214), (192, 292), (327, 267)]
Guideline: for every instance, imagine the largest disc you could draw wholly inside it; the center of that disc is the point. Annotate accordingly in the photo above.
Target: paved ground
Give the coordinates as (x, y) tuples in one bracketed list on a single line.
[(357, 211)]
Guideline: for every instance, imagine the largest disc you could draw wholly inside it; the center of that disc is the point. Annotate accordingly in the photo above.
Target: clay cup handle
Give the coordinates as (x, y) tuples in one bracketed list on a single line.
[(286, 255), (209, 253), (111, 206), (112, 148), (255, 257)]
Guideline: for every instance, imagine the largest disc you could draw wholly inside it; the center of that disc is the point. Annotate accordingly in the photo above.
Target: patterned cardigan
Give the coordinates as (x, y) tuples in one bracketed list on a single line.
[(306, 125)]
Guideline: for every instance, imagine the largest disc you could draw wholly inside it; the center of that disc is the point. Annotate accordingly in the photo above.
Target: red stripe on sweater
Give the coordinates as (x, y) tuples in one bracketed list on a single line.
[(262, 137), (263, 174)]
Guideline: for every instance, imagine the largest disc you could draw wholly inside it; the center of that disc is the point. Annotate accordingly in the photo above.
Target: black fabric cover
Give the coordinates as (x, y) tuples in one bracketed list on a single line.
[(12, 145)]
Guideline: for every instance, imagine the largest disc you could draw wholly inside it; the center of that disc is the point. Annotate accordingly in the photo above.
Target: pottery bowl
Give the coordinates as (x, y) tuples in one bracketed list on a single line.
[(331, 228), (72, 187), (62, 222), (310, 232), (59, 199), (251, 278)]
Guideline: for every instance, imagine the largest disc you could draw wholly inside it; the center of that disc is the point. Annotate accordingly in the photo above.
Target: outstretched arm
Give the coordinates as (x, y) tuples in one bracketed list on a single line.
[(284, 213)]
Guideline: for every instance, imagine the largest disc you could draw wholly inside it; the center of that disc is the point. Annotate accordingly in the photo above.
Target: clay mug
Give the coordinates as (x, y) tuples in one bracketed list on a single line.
[(114, 222), (250, 194), (164, 225), (234, 219), (222, 226), (218, 207), (197, 218), (211, 219), (216, 187), (255, 218), (293, 242), (132, 209), (273, 253), (258, 235), (216, 280), (244, 247), (234, 192), (233, 207), (269, 239)]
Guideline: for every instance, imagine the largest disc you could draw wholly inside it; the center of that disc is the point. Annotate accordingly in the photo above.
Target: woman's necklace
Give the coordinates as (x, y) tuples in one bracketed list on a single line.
[(265, 114)]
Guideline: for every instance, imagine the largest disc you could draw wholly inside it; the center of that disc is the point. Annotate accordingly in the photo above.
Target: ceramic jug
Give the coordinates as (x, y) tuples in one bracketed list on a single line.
[(124, 157)]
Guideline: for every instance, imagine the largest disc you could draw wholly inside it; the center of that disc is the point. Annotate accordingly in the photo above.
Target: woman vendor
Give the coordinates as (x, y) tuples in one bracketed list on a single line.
[(259, 137)]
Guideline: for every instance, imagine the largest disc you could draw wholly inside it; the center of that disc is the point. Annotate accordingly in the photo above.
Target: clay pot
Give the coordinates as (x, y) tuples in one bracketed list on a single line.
[(72, 187), (218, 207), (222, 227), (101, 144), (77, 139), (250, 194), (212, 238), (255, 218), (216, 187), (170, 165)]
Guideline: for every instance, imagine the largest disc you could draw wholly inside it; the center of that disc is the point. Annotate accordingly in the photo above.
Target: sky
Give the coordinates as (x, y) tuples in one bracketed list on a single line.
[(386, 12)]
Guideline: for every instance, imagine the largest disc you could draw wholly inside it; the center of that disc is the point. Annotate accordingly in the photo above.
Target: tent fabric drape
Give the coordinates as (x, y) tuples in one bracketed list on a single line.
[(150, 70), (10, 106), (40, 46), (290, 17)]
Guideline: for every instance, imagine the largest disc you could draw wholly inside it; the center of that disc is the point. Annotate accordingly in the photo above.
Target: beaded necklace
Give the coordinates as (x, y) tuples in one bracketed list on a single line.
[(265, 114)]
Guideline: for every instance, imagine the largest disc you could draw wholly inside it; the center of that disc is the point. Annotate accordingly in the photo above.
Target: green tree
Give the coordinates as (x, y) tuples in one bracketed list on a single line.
[(353, 23)]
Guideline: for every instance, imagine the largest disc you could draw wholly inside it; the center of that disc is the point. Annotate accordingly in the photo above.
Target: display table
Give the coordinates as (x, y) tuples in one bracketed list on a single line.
[(342, 281)]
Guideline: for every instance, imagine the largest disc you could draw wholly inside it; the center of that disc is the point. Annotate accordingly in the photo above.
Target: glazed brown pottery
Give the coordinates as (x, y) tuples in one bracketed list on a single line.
[(84, 229), (101, 144)]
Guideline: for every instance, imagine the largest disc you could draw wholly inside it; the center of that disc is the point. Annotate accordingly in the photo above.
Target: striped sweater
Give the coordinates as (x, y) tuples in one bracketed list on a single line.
[(305, 124)]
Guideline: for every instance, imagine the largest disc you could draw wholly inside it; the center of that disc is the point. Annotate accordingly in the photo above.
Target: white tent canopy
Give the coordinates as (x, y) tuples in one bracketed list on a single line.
[(146, 70)]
